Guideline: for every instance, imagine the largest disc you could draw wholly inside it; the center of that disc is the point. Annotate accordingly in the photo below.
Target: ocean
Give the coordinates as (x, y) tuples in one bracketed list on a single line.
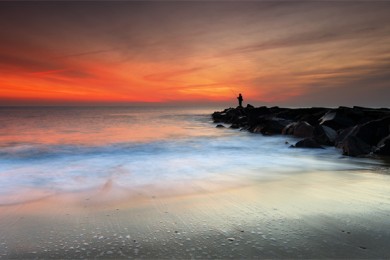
[(46, 150), (164, 182)]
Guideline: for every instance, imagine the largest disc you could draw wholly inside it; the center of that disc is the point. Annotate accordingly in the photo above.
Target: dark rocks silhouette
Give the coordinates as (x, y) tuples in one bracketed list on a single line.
[(269, 125), (324, 135), (383, 147), (354, 146), (357, 131), (308, 143), (299, 129)]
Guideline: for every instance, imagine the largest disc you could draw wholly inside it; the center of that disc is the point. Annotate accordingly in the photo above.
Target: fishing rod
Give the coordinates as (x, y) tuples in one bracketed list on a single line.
[(231, 90)]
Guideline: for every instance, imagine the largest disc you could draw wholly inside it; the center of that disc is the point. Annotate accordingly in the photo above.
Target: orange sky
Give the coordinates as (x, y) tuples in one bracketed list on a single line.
[(283, 53)]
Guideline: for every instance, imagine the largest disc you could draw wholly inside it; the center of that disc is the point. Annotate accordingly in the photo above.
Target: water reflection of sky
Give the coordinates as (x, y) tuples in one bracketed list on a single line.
[(93, 126), (76, 150)]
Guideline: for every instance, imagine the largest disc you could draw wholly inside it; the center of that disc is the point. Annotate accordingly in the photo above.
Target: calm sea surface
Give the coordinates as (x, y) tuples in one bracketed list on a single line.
[(45, 151)]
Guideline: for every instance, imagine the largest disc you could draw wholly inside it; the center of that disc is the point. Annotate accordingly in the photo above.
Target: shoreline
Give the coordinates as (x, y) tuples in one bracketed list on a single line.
[(227, 195), (318, 215), (357, 131)]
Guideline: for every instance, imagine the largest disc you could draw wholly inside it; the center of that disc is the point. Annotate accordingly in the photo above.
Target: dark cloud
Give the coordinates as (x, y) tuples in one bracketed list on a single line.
[(367, 85), (321, 37), (85, 53), (298, 50), (168, 76), (32, 64)]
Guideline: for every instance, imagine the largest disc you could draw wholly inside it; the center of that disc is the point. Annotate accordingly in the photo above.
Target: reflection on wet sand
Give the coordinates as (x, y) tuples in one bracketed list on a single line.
[(163, 183), (320, 214)]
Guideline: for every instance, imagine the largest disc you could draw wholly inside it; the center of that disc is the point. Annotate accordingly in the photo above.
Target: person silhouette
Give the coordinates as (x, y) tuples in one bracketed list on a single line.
[(240, 99)]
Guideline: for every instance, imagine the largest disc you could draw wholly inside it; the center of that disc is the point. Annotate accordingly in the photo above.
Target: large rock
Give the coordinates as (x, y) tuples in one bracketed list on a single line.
[(342, 134), (324, 135), (303, 129), (354, 146), (235, 126), (383, 147), (362, 139), (231, 115), (299, 129), (371, 113), (270, 126), (255, 115), (218, 117), (336, 120), (289, 129), (360, 130), (310, 115), (308, 143), (313, 115), (374, 131)]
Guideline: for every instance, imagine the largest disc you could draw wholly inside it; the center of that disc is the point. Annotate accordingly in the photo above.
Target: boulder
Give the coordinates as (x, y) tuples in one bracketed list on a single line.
[(324, 135), (220, 126), (357, 131), (371, 113), (374, 131), (270, 126), (218, 117), (234, 113), (299, 129), (256, 114), (241, 120), (383, 147), (354, 146), (310, 115), (342, 134), (336, 120), (303, 129), (289, 129), (363, 139), (235, 126), (308, 143), (371, 133)]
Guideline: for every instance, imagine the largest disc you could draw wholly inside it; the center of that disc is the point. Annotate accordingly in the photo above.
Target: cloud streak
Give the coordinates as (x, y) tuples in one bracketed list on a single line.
[(280, 52)]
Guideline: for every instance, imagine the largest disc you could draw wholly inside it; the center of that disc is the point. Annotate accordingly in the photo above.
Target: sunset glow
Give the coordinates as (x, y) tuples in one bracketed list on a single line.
[(298, 53)]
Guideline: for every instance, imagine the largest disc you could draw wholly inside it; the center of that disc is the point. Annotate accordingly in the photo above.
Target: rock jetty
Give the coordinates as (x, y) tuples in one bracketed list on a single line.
[(357, 131)]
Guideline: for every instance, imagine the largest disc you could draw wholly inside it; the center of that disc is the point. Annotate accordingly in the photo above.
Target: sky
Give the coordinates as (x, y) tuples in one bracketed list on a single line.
[(286, 53)]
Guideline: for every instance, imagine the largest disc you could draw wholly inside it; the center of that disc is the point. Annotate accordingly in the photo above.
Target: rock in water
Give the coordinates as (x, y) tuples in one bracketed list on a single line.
[(308, 143), (383, 147), (324, 135), (336, 120), (303, 129), (270, 126), (357, 131), (374, 131), (354, 146)]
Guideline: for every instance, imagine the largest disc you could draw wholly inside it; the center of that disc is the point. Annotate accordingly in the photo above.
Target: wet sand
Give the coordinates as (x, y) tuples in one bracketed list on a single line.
[(342, 214)]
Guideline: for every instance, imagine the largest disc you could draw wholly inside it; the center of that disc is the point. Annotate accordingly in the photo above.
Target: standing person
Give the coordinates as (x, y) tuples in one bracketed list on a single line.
[(240, 99)]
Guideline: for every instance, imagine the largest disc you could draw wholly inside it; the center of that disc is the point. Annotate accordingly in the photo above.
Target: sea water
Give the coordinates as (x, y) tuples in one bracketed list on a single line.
[(164, 182), (50, 150)]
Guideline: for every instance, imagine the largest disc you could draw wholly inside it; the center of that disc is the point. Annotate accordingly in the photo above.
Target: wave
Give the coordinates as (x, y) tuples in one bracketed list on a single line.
[(51, 169), (185, 148)]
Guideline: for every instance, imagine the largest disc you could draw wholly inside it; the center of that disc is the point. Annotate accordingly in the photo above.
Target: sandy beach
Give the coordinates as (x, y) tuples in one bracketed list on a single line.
[(223, 129), (313, 215), (190, 191)]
